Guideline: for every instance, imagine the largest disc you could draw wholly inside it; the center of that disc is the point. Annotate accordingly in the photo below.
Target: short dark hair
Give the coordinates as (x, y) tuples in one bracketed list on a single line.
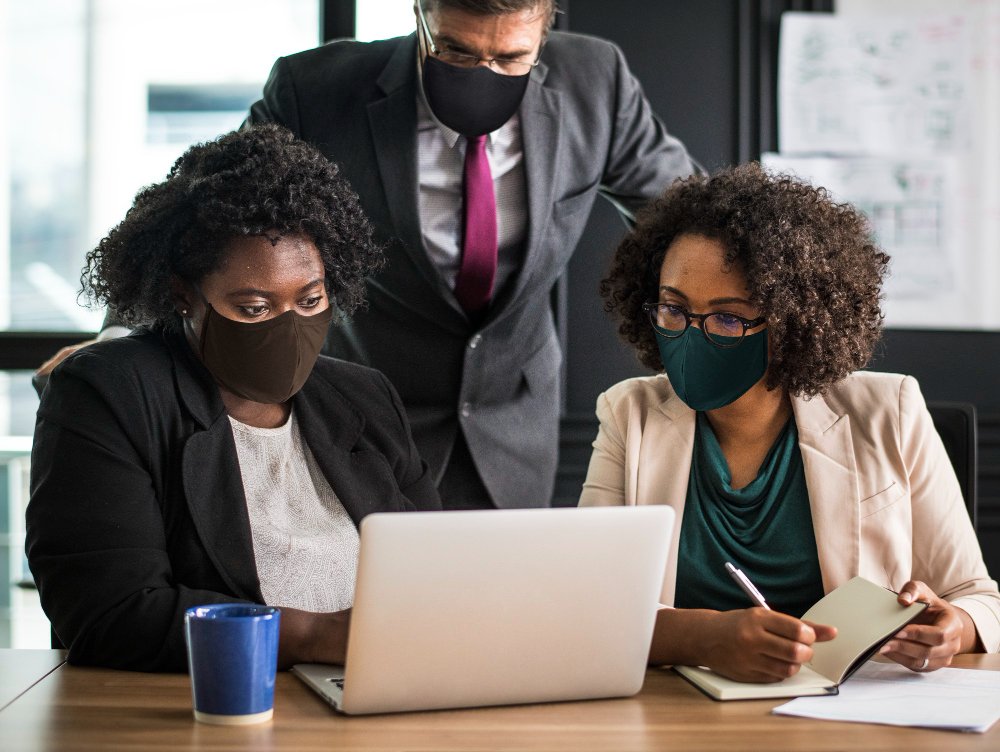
[(245, 183), (811, 265), (495, 7)]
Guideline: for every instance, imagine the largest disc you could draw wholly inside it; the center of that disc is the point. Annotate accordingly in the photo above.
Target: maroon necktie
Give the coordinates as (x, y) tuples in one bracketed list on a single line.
[(474, 284)]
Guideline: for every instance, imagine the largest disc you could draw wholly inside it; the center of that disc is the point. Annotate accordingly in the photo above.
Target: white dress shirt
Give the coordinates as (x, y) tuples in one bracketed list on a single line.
[(305, 543)]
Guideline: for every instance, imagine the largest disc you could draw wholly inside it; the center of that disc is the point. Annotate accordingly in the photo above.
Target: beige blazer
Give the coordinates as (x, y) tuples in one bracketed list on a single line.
[(885, 501)]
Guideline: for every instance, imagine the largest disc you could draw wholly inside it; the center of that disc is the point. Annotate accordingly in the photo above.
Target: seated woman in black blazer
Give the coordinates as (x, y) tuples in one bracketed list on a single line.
[(211, 456)]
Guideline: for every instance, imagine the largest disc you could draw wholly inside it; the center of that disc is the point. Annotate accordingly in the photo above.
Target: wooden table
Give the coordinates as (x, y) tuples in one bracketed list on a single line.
[(94, 709), (20, 670)]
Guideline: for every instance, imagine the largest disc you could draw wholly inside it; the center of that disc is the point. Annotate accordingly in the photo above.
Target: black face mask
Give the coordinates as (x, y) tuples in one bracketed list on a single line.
[(471, 101)]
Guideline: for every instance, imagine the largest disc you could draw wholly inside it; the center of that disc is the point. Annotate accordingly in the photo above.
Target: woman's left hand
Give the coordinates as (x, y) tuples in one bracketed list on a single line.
[(931, 640)]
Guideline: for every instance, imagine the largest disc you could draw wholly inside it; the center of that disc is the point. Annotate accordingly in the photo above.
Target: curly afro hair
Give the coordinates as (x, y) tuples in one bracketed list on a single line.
[(248, 182), (810, 264)]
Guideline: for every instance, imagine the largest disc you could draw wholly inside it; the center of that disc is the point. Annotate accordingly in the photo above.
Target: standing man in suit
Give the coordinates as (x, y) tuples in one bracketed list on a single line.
[(477, 146)]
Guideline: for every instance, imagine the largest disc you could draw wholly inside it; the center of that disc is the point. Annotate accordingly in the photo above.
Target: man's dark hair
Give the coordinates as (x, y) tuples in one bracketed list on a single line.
[(250, 182), (495, 7), (811, 267)]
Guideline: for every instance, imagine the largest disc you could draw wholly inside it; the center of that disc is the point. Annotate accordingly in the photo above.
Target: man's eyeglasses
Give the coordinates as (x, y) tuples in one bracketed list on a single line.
[(721, 329), (505, 66)]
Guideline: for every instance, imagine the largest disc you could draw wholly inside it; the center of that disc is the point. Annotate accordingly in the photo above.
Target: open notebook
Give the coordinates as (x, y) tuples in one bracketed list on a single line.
[(865, 616)]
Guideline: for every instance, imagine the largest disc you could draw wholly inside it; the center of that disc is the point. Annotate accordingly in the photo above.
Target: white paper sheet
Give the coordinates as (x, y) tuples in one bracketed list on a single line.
[(888, 89), (874, 86), (886, 693), (917, 216)]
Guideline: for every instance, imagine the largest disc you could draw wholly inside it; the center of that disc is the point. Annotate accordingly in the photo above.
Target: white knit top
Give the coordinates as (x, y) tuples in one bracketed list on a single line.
[(304, 541)]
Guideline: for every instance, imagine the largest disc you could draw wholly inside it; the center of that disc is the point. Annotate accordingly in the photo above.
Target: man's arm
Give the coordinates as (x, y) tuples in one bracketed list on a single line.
[(643, 158), (278, 102)]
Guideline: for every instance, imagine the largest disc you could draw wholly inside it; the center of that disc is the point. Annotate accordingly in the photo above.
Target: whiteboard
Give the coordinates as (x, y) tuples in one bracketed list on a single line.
[(900, 115), (874, 85)]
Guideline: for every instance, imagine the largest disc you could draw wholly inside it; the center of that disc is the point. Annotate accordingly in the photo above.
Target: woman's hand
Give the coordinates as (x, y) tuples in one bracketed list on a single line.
[(933, 638), (757, 645), (751, 645), (307, 637)]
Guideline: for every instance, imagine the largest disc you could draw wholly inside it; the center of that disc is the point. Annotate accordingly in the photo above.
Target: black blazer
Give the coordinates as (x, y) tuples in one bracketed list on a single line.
[(137, 509)]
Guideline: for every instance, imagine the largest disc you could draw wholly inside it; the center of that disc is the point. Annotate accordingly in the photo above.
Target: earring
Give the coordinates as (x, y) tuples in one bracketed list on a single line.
[(184, 312)]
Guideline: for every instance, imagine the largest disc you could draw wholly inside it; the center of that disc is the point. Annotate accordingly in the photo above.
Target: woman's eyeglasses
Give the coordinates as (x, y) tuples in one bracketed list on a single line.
[(721, 329)]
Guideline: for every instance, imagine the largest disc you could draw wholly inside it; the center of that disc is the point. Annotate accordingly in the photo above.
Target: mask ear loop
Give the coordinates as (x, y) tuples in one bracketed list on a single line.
[(209, 310)]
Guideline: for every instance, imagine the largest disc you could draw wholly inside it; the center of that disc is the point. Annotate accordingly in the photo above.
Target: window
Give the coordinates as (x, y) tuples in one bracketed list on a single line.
[(99, 97), (383, 19)]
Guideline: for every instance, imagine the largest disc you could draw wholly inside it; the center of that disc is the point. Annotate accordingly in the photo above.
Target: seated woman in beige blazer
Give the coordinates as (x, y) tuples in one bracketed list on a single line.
[(759, 299)]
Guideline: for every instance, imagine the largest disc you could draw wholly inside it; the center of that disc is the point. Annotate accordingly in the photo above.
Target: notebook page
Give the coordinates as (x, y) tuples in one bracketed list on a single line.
[(864, 614)]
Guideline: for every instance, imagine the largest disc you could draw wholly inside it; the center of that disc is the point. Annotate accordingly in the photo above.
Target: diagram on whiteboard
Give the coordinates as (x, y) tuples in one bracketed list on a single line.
[(898, 115), (856, 87), (912, 206)]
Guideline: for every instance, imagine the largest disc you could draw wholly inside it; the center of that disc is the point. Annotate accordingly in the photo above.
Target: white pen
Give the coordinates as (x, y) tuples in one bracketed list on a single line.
[(746, 586)]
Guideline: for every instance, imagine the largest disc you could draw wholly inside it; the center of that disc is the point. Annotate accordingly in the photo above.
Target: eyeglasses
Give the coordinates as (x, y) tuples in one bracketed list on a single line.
[(721, 329), (506, 66)]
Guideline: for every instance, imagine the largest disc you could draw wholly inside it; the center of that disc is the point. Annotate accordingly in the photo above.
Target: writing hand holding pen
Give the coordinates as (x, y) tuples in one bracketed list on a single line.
[(763, 645), (748, 644)]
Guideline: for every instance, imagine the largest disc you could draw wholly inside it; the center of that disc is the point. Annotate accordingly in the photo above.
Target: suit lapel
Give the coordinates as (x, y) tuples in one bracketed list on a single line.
[(832, 481), (213, 486), (663, 470), (331, 427), (540, 136), (393, 123)]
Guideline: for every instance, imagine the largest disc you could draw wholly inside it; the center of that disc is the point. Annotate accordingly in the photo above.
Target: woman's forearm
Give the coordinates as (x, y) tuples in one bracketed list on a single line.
[(682, 636)]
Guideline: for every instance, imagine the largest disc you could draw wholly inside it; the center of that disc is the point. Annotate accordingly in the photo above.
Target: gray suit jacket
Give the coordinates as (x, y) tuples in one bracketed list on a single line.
[(586, 128)]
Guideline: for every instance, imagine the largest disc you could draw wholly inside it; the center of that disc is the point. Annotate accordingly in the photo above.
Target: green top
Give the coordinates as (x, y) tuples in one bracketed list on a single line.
[(765, 529)]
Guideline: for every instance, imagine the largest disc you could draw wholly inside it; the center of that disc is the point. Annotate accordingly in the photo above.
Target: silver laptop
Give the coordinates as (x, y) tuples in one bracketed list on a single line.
[(466, 609)]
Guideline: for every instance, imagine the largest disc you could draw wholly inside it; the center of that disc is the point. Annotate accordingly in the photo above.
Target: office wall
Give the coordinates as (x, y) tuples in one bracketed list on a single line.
[(709, 68), (684, 54)]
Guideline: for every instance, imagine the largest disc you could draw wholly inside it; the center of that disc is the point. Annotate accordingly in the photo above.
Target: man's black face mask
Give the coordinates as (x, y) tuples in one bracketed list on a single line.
[(471, 101)]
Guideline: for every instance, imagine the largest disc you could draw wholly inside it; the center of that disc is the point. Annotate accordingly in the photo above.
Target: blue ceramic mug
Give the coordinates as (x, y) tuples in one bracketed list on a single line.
[(233, 658)]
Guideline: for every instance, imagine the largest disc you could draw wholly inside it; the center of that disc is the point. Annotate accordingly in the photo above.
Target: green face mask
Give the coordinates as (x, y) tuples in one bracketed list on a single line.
[(707, 377)]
